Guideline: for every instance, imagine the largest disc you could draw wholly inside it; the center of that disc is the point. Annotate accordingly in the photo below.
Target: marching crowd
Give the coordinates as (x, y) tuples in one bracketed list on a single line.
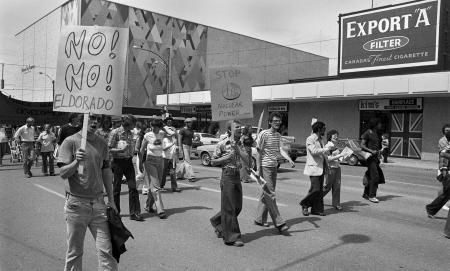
[(141, 154)]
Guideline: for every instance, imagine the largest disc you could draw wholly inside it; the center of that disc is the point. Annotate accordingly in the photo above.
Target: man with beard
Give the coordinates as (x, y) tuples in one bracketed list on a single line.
[(269, 149), (316, 168), (121, 147), (228, 154), (443, 176), (85, 206)]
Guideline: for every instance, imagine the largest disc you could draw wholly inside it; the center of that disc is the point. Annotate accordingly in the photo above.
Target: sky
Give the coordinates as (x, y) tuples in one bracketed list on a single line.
[(309, 25)]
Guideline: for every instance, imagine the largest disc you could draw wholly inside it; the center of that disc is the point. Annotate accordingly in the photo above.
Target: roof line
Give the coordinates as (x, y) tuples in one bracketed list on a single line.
[(33, 23)]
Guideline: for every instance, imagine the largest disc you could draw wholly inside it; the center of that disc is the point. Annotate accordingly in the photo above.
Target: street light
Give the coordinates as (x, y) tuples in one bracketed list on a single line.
[(167, 66), (53, 83)]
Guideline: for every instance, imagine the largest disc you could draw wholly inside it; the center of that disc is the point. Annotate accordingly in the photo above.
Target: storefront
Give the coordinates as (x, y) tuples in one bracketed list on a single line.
[(402, 121)]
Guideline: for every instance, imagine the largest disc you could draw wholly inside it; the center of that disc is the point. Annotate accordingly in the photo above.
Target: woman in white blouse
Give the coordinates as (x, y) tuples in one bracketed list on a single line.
[(154, 164)]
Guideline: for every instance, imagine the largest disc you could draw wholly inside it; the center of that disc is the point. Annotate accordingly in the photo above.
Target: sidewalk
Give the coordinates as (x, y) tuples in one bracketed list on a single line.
[(413, 163)]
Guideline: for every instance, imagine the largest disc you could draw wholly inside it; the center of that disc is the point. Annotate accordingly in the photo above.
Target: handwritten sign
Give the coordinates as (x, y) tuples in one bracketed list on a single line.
[(231, 93), (90, 74)]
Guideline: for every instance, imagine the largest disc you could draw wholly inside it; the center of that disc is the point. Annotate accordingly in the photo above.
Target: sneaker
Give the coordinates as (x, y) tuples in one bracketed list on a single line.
[(374, 200), (431, 216), (238, 243), (162, 215), (338, 207), (365, 196)]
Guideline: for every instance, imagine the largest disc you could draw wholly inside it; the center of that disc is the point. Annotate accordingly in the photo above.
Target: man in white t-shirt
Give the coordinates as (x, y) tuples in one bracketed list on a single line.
[(25, 135)]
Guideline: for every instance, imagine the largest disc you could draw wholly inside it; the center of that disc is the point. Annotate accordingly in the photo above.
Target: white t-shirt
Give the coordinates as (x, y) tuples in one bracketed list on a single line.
[(152, 149)]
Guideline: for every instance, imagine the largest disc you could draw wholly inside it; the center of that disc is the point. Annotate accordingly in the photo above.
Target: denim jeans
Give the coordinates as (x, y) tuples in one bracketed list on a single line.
[(226, 220), (169, 168), (333, 183), (47, 161), (83, 213), (268, 204), (154, 168), (28, 155), (125, 167), (187, 162)]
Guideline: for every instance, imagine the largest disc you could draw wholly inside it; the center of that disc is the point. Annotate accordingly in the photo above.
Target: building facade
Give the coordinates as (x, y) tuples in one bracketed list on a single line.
[(160, 47)]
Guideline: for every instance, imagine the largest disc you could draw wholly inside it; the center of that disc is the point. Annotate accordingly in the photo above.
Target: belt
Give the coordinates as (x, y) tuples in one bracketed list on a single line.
[(123, 158), (98, 198)]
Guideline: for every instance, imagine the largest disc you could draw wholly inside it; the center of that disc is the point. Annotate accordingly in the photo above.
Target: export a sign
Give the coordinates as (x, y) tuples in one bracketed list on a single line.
[(391, 104), (393, 37), (90, 73), (231, 93)]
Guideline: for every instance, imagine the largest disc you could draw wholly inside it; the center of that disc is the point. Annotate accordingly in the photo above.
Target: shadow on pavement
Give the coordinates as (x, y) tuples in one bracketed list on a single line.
[(347, 207), (271, 231), (344, 239), (387, 197), (172, 211)]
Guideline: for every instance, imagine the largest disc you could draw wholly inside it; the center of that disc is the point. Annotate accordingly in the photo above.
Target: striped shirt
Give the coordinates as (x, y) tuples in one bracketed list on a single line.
[(268, 143)]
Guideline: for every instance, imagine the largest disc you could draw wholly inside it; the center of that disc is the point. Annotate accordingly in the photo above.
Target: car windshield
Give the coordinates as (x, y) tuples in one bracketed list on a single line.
[(208, 135)]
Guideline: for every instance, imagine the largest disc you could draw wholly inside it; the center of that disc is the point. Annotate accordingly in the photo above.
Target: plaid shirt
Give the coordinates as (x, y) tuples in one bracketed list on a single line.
[(224, 148), (120, 134)]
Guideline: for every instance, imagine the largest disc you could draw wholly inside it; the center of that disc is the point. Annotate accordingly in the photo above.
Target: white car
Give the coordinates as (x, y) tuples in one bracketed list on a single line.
[(206, 139)]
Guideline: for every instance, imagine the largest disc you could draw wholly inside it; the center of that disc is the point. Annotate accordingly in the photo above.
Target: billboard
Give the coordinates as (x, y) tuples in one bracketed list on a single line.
[(400, 36)]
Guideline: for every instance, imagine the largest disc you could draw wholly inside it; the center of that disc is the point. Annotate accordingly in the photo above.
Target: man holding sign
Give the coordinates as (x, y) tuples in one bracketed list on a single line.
[(228, 154), (85, 206)]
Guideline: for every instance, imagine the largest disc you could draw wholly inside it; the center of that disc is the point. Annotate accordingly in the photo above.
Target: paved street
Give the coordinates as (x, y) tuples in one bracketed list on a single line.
[(392, 235)]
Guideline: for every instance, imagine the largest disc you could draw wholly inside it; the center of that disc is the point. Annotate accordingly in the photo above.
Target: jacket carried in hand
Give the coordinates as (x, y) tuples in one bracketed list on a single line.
[(119, 233)]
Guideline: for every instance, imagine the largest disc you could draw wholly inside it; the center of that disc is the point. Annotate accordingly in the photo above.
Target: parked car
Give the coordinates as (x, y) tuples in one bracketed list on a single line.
[(356, 157), (296, 150), (206, 139)]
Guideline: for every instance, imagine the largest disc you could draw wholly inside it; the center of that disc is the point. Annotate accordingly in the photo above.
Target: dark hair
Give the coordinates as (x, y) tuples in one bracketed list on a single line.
[(230, 122), (130, 117), (331, 133), (167, 119), (103, 120), (318, 125), (73, 116), (373, 122), (445, 126), (247, 130), (273, 115), (157, 123)]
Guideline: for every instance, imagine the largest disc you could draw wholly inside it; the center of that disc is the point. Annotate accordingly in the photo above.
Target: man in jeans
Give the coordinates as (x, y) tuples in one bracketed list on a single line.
[(47, 140), (185, 137), (25, 135), (269, 149), (121, 147), (85, 206)]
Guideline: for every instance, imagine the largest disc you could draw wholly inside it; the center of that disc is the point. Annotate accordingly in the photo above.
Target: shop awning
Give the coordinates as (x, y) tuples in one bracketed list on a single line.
[(422, 84)]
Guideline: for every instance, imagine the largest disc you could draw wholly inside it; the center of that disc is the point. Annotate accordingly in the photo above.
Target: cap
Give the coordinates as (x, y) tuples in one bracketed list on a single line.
[(188, 120)]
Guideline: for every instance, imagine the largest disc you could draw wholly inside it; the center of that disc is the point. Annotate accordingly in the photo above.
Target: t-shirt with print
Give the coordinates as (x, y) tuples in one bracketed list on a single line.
[(268, 143), (90, 184), (47, 139), (151, 138)]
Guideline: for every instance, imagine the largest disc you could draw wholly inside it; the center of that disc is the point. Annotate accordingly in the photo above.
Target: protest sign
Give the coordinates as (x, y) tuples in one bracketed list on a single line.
[(231, 93), (90, 73)]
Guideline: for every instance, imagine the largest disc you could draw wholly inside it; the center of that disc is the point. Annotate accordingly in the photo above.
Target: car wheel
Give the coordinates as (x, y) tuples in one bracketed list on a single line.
[(206, 159), (254, 163), (353, 160)]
